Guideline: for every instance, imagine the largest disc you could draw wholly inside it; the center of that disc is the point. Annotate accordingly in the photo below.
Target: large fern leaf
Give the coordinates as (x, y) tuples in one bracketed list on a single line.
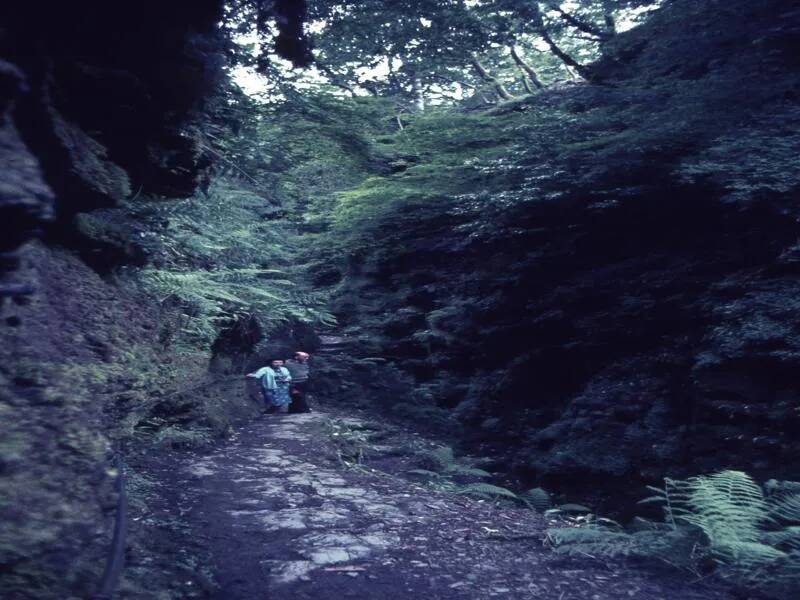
[(754, 538), (486, 490), (785, 507), (729, 507), (537, 498)]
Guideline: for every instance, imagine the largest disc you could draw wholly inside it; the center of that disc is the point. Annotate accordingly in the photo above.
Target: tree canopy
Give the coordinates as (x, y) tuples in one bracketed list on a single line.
[(428, 51)]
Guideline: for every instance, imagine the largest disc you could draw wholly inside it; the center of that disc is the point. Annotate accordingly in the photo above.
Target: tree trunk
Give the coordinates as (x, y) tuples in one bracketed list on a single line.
[(334, 77), (565, 58), (370, 87), (416, 90), (526, 84), (490, 79), (541, 29), (608, 16), (584, 26), (486, 99), (528, 74)]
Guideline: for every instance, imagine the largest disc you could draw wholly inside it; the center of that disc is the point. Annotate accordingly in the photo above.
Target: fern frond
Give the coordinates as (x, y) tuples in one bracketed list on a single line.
[(423, 473), (725, 517), (785, 507), (729, 507), (444, 455), (468, 471), (485, 489), (675, 547), (537, 498), (788, 538), (747, 556), (591, 541)]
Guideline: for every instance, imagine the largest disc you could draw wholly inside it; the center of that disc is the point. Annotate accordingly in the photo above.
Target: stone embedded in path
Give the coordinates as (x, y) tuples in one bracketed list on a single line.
[(333, 548), (386, 512), (346, 493), (301, 518), (323, 549), (289, 518), (286, 516), (268, 456), (201, 469), (332, 480), (283, 572), (330, 556), (291, 434)]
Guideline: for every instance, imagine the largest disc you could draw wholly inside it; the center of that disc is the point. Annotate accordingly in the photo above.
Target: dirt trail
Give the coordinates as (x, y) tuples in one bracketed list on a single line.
[(282, 518)]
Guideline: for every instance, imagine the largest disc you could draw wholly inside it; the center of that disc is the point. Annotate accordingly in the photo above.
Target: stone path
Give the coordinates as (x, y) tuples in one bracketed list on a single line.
[(281, 517)]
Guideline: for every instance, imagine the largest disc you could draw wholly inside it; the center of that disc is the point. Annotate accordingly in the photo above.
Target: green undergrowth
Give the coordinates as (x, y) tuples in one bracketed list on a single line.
[(439, 469), (442, 159), (351, 441), (189, 573), (442, 470), (223, 258), (723, 524)]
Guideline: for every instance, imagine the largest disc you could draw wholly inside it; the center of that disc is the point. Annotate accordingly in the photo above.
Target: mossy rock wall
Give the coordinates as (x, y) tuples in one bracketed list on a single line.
[(600, 280)]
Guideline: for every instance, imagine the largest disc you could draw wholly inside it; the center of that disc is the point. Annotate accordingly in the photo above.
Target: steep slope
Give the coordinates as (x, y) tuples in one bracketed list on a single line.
[(89, 114), (600, 280), (97, 102)]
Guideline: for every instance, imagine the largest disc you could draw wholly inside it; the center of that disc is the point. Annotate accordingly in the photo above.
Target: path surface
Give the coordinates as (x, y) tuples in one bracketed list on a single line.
[(282, 518)]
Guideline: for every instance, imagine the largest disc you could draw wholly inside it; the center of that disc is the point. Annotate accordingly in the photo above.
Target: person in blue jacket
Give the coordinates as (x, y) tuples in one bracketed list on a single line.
[(275, 382)]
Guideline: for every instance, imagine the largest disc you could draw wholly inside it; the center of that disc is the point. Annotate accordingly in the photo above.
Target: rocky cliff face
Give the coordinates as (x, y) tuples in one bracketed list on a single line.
[(619, 292), (94, 103), (93, 99), (100, 105)]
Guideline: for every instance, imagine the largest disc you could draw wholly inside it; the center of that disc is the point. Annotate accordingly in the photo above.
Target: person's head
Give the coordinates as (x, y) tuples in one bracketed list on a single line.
[(301, 356), (276, 362)]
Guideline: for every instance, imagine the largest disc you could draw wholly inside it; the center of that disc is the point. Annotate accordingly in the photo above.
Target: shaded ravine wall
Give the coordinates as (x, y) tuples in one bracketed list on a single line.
[(100, 108), (628, 308), (93, 100)]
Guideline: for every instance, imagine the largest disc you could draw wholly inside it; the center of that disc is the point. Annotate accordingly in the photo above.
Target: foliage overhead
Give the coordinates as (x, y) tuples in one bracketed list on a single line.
[(420, 52)]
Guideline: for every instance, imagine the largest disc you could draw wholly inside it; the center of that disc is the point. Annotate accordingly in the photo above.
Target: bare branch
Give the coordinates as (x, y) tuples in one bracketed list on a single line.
[(528, 74), (581, 24), (555, 49), (489, 78)]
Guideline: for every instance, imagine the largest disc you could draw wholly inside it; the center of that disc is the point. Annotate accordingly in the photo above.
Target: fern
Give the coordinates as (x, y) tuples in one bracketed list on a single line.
[(486, 490), (467, 471), (785, 507), (677, 548), (175, 437), (443, 457), (424, 473), (350, 441), (440, 467), (537, 498), (590, 540), (218, 260), (787, 539), (673, 497), (753, 537), (443, 460), (574, 509)]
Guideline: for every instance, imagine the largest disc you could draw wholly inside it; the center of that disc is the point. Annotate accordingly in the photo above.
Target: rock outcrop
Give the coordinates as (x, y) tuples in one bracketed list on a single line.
[(99, 103), (94, 97), (618, 293)]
